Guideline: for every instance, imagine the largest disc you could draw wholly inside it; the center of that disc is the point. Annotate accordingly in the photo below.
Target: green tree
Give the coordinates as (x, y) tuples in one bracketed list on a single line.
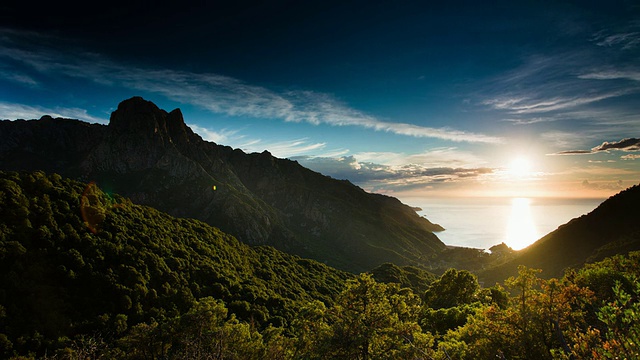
[(442, 320), (371, 320), (147, 341), (622, 319), (205, 333), (453, 288), (448, 301), (312, 331), (276, 345), (540, 322)]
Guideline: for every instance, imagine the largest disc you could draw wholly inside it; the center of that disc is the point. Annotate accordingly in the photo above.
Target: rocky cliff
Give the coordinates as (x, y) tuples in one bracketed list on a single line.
[(151, 156)]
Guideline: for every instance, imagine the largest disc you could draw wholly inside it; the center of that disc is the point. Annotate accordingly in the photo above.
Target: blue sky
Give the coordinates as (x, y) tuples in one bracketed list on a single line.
[(410, 99)]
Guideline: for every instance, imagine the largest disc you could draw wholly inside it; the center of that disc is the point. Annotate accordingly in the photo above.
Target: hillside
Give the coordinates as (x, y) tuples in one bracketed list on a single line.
[(89, 275), (612, 228), (152, 157), (74, 260)]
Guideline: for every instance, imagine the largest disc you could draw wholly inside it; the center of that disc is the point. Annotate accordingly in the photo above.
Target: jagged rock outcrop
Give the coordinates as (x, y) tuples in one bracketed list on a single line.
[(151, 156)]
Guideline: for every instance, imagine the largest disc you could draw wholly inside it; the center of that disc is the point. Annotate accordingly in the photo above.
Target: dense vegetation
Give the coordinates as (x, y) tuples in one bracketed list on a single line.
[(84, 274), (74, 260)]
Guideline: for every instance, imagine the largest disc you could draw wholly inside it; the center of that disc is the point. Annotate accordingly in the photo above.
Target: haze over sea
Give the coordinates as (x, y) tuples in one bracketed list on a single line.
[(484, 222)]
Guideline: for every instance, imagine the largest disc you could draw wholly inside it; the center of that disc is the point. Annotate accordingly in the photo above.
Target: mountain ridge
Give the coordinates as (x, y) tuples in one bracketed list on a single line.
[(151, 156), (611, 228)]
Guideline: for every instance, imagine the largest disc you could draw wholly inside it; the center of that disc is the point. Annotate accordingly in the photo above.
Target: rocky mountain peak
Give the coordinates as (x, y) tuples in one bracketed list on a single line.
[(139, 117)]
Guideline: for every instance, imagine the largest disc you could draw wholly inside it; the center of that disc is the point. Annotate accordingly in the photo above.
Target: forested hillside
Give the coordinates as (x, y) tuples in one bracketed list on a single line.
[(74, 260), (87, 274), (152, 157)]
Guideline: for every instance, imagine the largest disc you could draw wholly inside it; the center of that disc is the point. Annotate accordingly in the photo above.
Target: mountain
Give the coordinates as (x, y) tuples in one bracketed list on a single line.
[(612, 228), (76, 260), (152, 157)]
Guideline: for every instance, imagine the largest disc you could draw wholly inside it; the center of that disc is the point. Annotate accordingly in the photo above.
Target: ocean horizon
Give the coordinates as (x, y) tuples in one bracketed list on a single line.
[(485, 222)]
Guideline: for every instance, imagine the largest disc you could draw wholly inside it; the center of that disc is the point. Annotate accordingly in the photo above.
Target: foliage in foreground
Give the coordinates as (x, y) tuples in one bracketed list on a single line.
[(540, 319), (75, 261), (78, 287)]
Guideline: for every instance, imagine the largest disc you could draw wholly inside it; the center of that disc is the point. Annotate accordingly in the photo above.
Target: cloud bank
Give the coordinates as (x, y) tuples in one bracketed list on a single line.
[(379, 177), (629, 144)]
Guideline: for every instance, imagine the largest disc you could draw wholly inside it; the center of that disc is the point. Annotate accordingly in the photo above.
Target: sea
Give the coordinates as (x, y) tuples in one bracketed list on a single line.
[(484, 222)]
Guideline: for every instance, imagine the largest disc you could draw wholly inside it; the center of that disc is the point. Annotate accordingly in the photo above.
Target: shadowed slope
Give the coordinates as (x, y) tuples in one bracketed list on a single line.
[(612, 228), (152, 157)]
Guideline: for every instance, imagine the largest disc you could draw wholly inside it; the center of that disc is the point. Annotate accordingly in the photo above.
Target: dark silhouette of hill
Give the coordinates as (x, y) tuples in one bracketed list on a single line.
[(612, 228), (151, 156)]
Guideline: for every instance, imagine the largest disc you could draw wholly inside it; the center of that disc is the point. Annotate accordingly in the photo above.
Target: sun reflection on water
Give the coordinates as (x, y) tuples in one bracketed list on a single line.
[(521, 230)]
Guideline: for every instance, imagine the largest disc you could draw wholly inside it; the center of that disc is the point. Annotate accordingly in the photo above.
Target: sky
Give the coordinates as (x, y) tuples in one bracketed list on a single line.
[(407, 98)]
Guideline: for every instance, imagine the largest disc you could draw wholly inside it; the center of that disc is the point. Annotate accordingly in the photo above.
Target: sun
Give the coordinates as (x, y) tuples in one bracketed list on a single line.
[(520, 167)]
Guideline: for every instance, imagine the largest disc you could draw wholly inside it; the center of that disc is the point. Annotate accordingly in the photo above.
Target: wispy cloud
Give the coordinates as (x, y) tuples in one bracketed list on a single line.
[(569, 85), (12, 111), (565, 139), (22, 79), (532, 105), (609, 74), (281, 149), (223, 94), (601, 172), (207, 134), (629, 144), (603, 185), (286, 149), (432, 158), (624, 40), (573, 152)]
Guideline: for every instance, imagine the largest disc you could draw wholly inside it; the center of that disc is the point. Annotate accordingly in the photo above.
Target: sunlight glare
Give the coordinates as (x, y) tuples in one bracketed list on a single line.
[(521, 231), (520, 167)]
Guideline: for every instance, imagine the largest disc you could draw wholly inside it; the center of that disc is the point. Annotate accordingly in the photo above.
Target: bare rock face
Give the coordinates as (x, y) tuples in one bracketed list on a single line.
[(154, 158), (139, 136)]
